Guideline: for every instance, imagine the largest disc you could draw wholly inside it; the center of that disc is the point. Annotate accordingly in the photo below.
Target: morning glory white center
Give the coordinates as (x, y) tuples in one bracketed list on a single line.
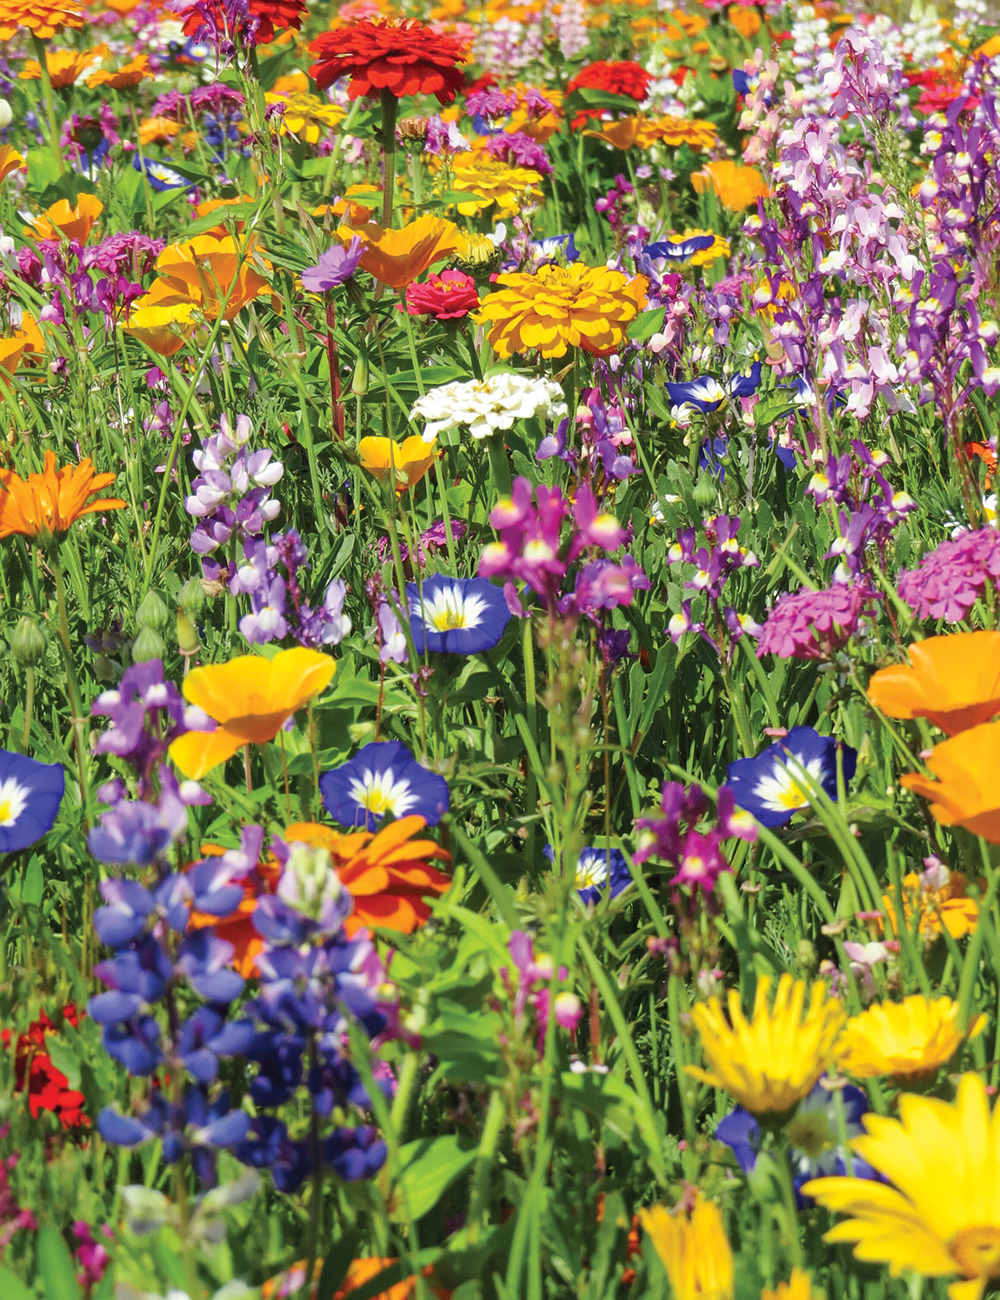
[(13, 800), (382, 792), (781, 792), (447, 610), (592, 872)]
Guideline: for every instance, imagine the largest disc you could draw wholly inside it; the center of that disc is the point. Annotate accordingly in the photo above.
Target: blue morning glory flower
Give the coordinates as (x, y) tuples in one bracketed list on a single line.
[(599, 871), (383, 778), (768, 786), (814, 1136), (160, 175), (744, 82), (708, 393), (458, 616), (679, 250), (30, 795), (545, 250)]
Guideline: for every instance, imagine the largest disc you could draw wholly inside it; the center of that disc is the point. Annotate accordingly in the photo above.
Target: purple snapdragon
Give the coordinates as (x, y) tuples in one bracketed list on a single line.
[(271, 577), (715, 563), (231, 497)]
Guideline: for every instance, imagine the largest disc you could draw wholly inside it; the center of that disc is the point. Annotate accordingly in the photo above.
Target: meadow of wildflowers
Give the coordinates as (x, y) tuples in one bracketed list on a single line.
[(500, 672)]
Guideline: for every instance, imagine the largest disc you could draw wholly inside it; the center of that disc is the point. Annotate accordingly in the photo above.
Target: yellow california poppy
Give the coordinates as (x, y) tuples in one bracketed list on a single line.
[(409, 460)]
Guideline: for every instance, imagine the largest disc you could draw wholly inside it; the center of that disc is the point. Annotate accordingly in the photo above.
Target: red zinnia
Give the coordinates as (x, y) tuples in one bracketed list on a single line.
[(402, 57), (48, 1088), (622, 78), (448, 296), (273, 16)]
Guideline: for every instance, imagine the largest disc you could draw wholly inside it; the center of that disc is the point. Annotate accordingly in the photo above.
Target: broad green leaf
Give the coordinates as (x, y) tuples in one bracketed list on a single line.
[(55, 1266), (430, 1167)]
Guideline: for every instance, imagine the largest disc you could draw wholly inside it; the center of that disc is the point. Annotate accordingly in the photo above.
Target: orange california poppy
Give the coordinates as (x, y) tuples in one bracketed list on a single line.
[(410, 459), (12, 349), (46, 504), (65, 67), (228, 220), (163, 319), (213, 272), (623, 134), (251, 699), (127, 77), (966, 792), (953, 681), (738, 187), (61, 221), (937, 906), (745, 20), (386, 873), (398, 257), (10, 161)]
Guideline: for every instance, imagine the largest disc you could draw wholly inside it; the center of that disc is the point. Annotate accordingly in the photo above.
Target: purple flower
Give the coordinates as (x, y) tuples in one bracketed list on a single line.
[(335, 267), (950, 580), (814, 624)]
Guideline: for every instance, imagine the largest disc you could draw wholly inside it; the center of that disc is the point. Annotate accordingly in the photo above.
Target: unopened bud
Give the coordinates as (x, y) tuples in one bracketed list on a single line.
[(806, 953), (705, 490), (152, 613), (192, 597), (359, 380), (187, 635), (6, 114), (148, 645), (28, 642)]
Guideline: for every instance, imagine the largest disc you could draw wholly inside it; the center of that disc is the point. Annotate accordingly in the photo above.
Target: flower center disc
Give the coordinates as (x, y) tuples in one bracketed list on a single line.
[(976, 1251)]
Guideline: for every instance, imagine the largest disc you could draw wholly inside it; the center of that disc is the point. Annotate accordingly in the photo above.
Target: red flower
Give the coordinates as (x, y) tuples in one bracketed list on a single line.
[(448, 296), (403, 57), (623, 78), (48, 1088), (273, 15)]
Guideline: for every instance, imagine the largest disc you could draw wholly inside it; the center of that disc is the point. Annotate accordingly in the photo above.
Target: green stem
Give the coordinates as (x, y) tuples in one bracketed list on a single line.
[(50, 108), (390, 107), (72, 685), (499, 464), (531, 708), (408, 327), (29, 706)]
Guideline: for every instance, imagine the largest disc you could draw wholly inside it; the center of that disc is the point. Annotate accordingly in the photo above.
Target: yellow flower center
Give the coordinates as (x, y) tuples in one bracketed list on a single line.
[(375, 801), (793, 796), (448, 620), (5, 816), (976, 1251)]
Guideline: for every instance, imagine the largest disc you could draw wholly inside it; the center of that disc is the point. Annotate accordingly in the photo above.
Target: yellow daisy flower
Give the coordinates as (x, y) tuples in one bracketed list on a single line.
[(694, 1249), (903, 1039), (562, 307), (942, 1217), (772, 1061)]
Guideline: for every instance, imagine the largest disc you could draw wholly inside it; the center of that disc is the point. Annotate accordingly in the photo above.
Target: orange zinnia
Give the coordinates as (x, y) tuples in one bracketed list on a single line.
[(386, 873), (738, 187), (939, 907), (966, 792), (61, 221), (238, 928), (213, 272), (953, 681), (398, 257), (43, 18), (251, 699), (46, 504)]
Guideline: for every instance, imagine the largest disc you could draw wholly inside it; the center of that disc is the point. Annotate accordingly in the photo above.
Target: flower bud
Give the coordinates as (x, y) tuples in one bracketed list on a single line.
[(187, 634), (359, 380), (6, 114), (806, 953), (361, 732), (192, 597), (411, 133), (705, 490), (148, 645), (152, 613), (28, 642), (309, 882), (479, 257)]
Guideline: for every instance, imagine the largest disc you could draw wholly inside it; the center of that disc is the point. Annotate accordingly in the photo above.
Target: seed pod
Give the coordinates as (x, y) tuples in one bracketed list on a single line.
[(187, 634), (28, 642), (148, 645), (152, 613), (192, 597)]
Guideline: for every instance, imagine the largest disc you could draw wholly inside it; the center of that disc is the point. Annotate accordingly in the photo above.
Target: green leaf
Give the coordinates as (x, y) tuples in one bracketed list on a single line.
[(431, 1166), (11, 1286), (55, 1266), (646, 325), (335, 1265), (586, 97)]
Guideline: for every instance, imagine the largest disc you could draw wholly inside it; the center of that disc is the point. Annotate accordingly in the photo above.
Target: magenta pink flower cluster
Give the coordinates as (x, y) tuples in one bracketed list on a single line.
[(814, 624), (672, 836), (950, 580)]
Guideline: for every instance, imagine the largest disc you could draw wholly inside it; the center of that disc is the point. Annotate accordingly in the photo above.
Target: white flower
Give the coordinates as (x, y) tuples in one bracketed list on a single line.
[(488, 406)]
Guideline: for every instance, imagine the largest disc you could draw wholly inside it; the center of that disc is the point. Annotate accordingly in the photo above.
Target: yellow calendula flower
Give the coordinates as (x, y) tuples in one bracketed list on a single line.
[(772, 1061), (696, 133), (694, 1249), (903, 1039), (306, 116), (491, 182), (562, 307), (799, 1287), (942, 1217)]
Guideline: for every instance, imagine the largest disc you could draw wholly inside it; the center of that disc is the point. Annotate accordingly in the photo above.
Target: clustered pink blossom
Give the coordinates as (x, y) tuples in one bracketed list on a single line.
[(814, 624), (950, 580), (696, 855)]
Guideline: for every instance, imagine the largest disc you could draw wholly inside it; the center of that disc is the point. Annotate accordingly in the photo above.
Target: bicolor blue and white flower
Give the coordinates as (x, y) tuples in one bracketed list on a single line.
[(553, 247), (775, 784), (383, 779), (160, 175), (706, 393), (679, 249), (30, 795), (459, 616)]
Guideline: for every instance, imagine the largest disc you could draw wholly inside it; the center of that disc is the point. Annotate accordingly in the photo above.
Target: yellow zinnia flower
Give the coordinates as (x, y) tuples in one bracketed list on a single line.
[(306, 116), (903, 1038), (491, 181), (799, 1287), (943, 1215), (694, 1249), (562, 307), (772, 1061), (675, 131)]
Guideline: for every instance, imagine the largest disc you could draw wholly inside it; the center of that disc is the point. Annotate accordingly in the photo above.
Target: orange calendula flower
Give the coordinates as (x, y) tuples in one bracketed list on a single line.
[(398, 257), (938, 898), (43, 18), (676, 131), (409, 461), (45, 505), (10, 161), (214, 272), (157, 130), (387, 873), (127, 77), (251, 699), (738, 187), (65, 67), (966, 792), (953, 681), (61, 221), (562, 307)]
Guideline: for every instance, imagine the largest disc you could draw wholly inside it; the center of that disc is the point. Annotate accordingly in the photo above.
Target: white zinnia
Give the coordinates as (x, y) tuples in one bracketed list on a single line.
[(488, 406)]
